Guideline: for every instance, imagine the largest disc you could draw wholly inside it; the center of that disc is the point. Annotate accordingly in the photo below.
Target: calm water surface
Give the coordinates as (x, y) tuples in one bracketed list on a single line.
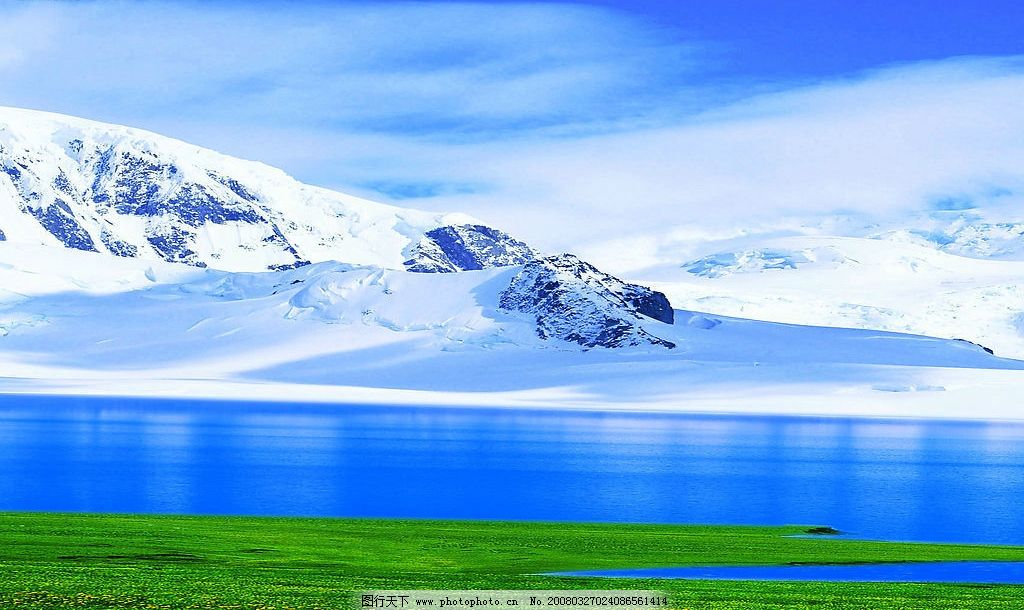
[(982, 572), (900, 480)]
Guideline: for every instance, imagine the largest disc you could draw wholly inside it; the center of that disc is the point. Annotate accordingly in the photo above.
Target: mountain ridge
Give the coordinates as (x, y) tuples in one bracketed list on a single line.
[(319, 295), (129, 192)]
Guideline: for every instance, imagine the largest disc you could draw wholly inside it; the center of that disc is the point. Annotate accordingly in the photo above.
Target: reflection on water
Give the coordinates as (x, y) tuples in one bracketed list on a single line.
[(887, 479)]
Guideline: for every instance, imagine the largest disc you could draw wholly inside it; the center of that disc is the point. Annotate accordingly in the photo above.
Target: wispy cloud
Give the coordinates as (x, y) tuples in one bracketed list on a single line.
[(884, 143), (574, 127), (414, 68)]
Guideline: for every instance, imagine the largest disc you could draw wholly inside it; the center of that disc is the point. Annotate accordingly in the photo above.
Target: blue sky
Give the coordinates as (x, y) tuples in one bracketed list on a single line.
[(563, 67), (821, 38), (635, 115)]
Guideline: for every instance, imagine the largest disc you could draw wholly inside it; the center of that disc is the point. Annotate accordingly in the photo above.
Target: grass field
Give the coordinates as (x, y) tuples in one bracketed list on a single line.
[(117, 561)]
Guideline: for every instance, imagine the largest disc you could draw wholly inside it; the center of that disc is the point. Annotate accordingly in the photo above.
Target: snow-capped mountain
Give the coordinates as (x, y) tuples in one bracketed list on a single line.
[(756, 260), (105, 188), (129, 258), (966, 237), (116, 190)]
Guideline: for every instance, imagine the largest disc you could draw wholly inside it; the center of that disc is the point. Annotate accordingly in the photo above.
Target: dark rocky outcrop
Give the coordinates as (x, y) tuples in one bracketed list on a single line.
[(467, 247), (573, 301)]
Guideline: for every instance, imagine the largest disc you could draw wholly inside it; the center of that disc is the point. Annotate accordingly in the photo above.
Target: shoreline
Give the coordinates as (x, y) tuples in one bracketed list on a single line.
[(992, 397), (787, 530), (109, 561)]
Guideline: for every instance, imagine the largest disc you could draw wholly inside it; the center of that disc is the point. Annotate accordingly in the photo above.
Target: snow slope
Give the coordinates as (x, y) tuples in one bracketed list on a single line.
[(81, 322), (106, 188), (134, 263), (891, 283)]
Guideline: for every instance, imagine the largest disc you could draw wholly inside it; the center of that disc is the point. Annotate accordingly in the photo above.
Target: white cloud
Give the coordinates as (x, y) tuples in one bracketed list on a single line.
[(574, 125), (404, 66), (888, 143)]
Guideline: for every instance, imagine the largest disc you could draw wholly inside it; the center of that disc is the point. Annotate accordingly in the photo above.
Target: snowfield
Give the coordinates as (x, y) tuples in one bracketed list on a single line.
[(87, 323), (887, 284), (135, 264)]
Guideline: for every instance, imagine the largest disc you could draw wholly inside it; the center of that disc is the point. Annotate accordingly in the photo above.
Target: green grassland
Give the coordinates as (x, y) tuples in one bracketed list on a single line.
[(119, 561)]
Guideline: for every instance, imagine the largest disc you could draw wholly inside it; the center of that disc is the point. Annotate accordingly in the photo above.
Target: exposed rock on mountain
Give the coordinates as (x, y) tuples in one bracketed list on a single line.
[(574, 301), (467, 248), (105, 188)]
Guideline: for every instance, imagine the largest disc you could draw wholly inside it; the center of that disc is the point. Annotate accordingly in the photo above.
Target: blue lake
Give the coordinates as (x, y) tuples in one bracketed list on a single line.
[(981, 572), (898, 480)]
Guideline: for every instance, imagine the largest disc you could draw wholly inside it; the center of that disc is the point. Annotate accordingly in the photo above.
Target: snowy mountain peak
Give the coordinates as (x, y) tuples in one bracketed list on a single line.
[(575, 302), (106, 188), (758, 260)]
